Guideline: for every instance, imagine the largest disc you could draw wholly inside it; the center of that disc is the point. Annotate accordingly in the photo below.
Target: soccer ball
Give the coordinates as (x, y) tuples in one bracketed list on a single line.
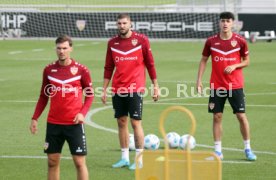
[(131, 142), (184, 140), (152, 142), (173, 140)]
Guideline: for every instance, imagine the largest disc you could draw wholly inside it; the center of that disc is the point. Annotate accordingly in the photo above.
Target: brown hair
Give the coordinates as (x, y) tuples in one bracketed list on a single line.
[(64, 38), (123, 15)]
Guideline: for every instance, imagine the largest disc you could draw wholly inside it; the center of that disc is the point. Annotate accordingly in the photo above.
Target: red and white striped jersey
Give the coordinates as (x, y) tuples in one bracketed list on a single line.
[(130, 56), (64, 85), (223, 54)]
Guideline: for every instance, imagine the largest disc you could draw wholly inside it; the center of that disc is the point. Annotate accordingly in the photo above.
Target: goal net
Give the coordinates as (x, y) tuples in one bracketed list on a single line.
[(159, 19)]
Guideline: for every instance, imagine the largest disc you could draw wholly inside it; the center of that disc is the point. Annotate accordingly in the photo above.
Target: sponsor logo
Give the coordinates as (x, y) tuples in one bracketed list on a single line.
[(79, 150), (46, 145), (134, 42), (211, 106), (217, 58), (116, 43), (74, 70), (13, 21), (234, 43), (53, 70), (80, 24), (128, 58), (217, 43), (165, 26)]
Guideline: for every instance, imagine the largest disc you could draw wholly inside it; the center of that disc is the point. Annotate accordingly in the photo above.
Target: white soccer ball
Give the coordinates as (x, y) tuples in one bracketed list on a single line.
[(151, 142), (184, 141), (173, 140), (131, 142)]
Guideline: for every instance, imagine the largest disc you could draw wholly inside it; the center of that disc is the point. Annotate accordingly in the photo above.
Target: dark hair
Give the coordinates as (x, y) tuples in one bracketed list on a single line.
[(123, 15), (227, 15), (64, 38)]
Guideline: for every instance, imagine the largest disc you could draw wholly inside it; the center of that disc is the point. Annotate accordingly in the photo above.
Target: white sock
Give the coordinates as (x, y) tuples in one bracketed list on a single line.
[(218, 146), (139, 151), (125, 153), (247, 144)]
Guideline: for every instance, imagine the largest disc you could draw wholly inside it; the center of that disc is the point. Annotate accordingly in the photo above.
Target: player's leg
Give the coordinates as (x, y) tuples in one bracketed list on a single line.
[(53, 147), (80, 164), (53, 166), (120, 108), (238, 105), (135, 111), (216, 105), (75, 136)]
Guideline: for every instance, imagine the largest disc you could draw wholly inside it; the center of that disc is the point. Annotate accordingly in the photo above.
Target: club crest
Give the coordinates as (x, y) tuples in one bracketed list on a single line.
[(80, 24), (134, 42), (234, 43), (46, 145), (211, 106), (74, 70)]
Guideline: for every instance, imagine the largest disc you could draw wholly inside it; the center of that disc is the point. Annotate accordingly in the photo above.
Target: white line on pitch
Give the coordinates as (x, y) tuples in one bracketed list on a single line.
[(37, 50), (88, 121), (29, 157), (15, 52), (79, 45)]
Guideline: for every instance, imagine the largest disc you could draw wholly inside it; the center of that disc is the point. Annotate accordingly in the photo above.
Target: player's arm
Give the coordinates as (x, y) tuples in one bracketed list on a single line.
[(86, 83), (108, 71), (201, 70), (244, 62), (104, 93), (149, 63), (41, 103)]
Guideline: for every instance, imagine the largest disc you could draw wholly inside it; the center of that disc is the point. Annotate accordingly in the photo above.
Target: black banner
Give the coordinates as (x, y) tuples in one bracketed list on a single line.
[(258, 22), (103, 25)]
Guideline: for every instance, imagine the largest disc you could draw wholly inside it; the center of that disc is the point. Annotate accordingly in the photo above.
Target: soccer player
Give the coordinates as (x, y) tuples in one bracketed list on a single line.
[(64, 82), (230, 55), (129, 52)]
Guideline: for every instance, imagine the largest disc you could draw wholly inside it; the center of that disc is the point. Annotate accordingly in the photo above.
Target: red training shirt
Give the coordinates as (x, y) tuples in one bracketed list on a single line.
[(65, 86), (225, 53), (130, 56)]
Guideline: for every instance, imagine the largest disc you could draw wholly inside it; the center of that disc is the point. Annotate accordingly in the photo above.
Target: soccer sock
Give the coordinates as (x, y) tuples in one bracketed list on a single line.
[(125, 153), (138, 151), (247, 144), (218, 146)]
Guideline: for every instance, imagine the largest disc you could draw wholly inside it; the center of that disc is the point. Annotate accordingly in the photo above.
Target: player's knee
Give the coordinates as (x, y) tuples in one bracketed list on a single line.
[(241, 116), (136, 125), (217, 117), (122, 122), (53, 163)]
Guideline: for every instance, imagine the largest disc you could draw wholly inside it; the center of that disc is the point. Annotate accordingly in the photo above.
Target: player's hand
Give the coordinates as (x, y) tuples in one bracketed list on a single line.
[(199, 87), (156, 93), (104, 97), (229, 69), (33, 127), (79, 119)]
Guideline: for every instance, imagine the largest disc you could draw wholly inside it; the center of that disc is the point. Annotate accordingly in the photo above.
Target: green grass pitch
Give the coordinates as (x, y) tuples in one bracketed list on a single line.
[(21, 64)]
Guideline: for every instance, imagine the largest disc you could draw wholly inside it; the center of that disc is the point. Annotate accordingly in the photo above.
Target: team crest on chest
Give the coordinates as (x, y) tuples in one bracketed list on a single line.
[(234, 43), (74, 70), (134, 42)]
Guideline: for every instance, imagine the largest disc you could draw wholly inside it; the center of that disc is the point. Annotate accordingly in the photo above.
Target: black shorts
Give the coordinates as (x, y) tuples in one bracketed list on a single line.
[(128, 103), (235, 97), (56, 135)]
